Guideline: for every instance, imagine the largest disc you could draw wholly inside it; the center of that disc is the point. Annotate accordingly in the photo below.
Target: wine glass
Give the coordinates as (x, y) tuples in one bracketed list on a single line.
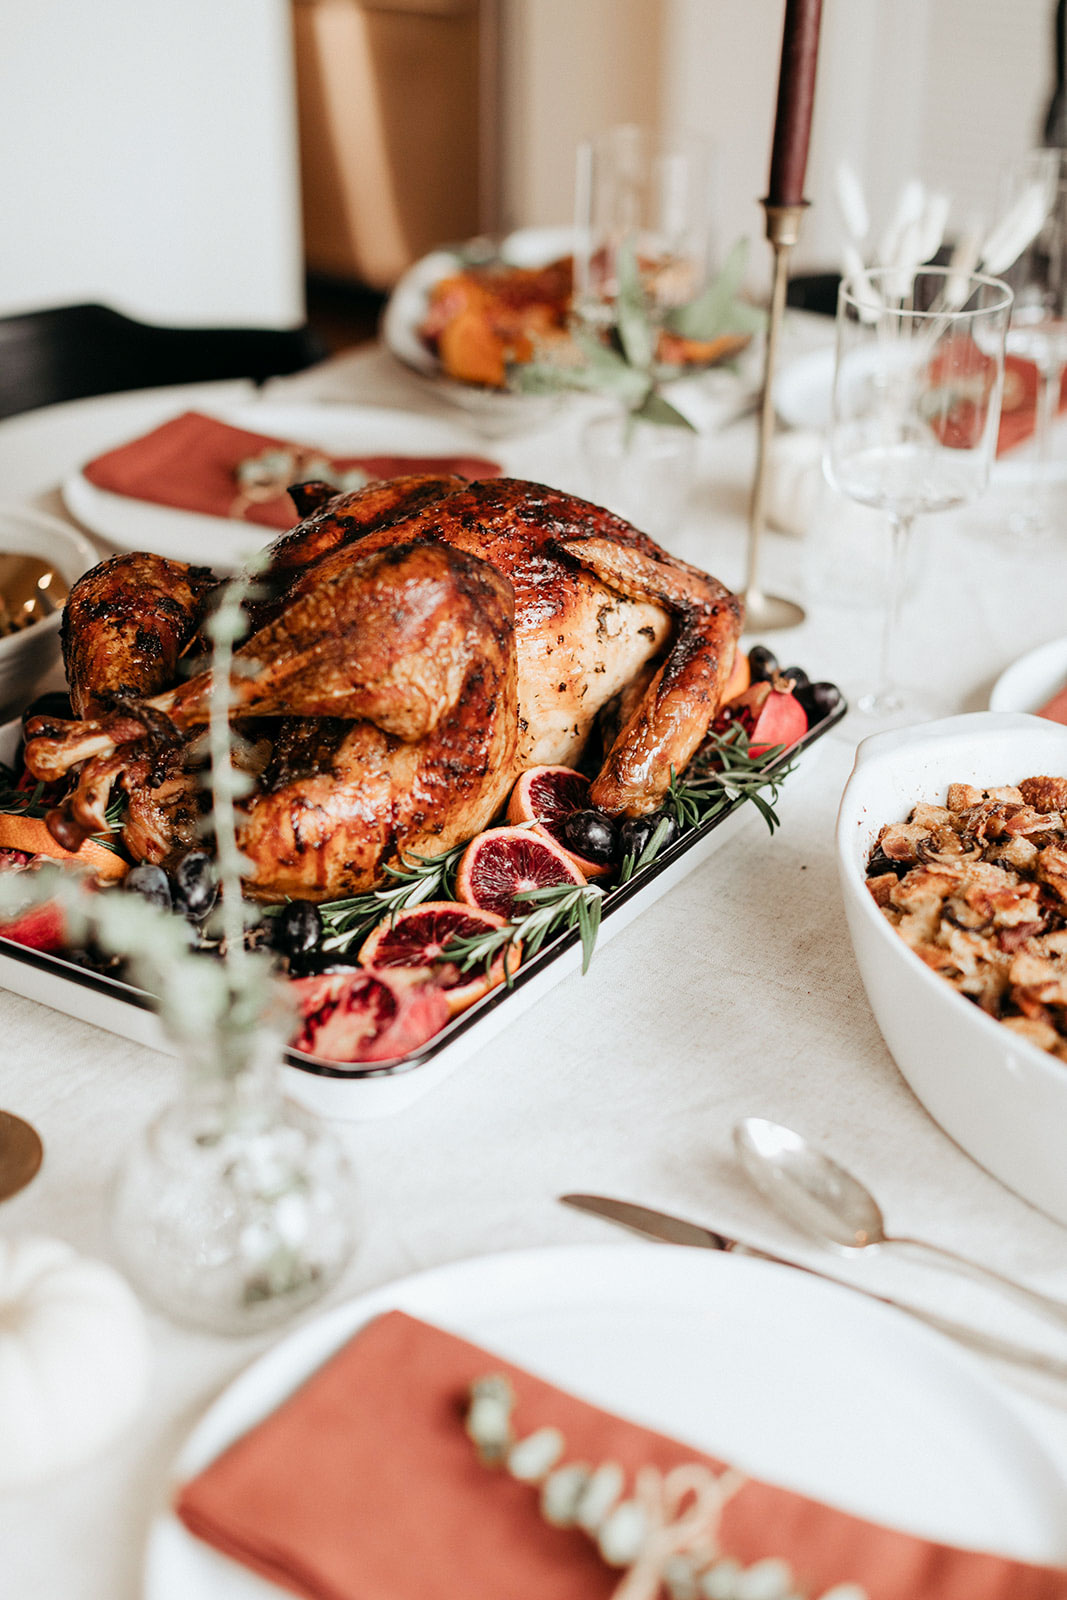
[(1035, 188), (649, 190), (915, 411), (648, 194)]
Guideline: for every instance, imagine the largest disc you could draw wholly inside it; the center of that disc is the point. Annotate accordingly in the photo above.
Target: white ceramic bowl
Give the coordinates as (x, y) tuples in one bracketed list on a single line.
[(26, 657), (1002, 1099)]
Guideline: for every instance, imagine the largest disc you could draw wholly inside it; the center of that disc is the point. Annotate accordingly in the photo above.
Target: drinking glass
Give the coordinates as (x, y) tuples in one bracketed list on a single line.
[(1037, 331), (915, 412), (654, 191)]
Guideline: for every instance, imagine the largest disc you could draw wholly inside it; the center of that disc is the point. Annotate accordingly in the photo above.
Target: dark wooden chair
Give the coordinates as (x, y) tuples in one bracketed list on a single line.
[(814, 291), (69, 352)]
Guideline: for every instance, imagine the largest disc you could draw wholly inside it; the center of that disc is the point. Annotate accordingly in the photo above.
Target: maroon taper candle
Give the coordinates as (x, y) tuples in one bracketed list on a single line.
[(796, 96)]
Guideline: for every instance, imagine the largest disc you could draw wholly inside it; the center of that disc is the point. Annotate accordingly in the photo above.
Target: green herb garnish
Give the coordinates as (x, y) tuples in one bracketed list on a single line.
[(416, 879), (724, 773), (556, 908)]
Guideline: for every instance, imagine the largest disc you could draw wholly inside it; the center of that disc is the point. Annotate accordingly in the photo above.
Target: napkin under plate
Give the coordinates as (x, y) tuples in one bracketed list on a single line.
[(192, 461)]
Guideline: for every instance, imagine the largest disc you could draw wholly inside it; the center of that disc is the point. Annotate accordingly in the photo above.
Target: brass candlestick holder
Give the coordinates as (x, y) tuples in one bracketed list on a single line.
[(766, 612)]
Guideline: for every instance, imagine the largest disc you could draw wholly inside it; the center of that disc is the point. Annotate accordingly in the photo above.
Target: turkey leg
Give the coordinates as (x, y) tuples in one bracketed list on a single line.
[(672, 717)]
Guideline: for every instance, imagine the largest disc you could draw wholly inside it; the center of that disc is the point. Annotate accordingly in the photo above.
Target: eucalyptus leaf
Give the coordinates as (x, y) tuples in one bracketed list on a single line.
[(654, 408), (704, 317), (632, 311)]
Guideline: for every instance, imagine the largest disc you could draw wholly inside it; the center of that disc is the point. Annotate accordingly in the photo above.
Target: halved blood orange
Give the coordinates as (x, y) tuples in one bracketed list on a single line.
[(18, 832), (367, 1016), (547, 796), (500, 864), (419, 936), (41, 928)]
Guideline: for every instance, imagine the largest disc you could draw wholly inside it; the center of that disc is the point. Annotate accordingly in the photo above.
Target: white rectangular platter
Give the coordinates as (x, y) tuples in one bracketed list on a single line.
[(357, 1092)]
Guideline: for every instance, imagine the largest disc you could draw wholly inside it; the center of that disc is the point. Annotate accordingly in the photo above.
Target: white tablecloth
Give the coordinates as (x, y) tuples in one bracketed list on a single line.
[(737, 993)]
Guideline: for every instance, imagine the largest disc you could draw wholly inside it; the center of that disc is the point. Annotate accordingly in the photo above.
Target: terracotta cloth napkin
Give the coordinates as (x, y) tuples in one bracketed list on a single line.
[(191, 463), (364, 1486), (1019, 407)]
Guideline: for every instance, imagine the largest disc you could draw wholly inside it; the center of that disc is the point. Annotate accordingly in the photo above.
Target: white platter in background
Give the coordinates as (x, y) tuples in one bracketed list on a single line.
[(493, 410), (803, 391), (795, 1380), (1030, 683), (223, 542)]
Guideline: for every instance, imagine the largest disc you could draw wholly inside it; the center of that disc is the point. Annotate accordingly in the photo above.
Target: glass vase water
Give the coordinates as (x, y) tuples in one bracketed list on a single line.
[(236, 1208)]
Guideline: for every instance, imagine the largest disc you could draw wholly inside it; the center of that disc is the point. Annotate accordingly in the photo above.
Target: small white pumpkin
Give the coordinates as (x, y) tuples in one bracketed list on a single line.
[(74, 1358)]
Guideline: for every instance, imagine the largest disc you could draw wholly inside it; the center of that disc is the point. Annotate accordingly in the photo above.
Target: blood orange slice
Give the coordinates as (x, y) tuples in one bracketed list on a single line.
[(40, 928), (419, 936), (499, 865), (367, 1016), (547, 796), (18, 832)]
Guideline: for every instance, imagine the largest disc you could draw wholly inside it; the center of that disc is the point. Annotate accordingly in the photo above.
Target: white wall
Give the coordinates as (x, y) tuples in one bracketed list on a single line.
[(947, 90), (148, 159), (570, 68)]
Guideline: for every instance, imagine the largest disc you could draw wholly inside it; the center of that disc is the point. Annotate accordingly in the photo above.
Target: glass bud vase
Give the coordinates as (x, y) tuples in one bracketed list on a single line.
[(641, 470), (236, 1208)]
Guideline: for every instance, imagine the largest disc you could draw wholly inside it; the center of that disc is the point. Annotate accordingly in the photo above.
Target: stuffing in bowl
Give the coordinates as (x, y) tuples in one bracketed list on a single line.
[(999, 1091)]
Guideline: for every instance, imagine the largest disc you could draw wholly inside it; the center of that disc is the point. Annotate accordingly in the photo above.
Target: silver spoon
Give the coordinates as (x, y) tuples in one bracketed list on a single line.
[(810, 1190)]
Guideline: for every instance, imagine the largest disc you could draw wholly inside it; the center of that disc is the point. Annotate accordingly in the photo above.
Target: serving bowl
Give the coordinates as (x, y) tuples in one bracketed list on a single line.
[(999, 1097), (28, 655)]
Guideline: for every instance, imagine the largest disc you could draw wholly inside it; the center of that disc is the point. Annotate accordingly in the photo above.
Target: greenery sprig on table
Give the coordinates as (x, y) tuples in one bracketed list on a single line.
[(624, 364)]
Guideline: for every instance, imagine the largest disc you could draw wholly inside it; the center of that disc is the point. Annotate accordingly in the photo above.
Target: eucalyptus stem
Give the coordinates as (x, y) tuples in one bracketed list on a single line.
[(225, 627)]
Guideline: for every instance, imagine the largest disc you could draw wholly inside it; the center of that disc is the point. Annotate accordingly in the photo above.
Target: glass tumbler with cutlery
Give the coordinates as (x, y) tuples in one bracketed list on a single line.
[(918, 378)]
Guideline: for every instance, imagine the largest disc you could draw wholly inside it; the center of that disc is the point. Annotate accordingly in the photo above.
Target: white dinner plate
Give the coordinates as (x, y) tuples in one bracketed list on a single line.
[(223, 542), (1030, 683), (791, 1378), (803, 391), (410, 300)]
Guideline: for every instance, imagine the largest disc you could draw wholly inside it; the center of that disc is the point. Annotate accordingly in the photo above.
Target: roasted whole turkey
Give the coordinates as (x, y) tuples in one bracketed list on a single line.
[(416, 644)]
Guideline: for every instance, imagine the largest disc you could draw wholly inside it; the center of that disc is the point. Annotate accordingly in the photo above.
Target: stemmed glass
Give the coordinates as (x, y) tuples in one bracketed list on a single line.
[(646, 193), (649, 190), (915, 413), (1038, 277)]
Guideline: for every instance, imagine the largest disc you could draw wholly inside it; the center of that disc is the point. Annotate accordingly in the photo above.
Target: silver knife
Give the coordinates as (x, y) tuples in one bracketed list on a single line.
[(664, 1228)]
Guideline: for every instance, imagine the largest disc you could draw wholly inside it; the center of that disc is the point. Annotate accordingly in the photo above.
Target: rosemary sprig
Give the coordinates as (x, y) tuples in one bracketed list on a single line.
[(556, 908), (416, 879), (723, 774)]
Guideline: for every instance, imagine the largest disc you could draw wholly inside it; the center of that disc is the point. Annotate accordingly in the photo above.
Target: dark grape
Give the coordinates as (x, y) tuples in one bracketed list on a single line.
[(195, 889), (151, 883), (297, 928), (818, 700), (762, 663), (592, 834), (637, 831), (798, 675)]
